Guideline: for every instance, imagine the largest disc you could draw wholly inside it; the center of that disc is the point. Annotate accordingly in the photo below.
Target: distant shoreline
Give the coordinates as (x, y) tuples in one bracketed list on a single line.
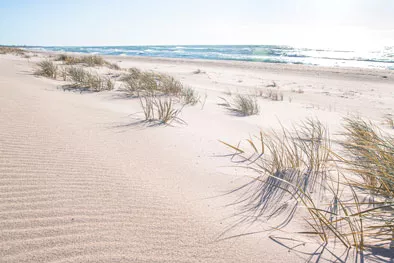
[(383, 75), (273, 54)]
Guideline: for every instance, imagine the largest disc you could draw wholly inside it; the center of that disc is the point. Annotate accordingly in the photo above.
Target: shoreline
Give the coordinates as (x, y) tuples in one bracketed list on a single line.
[(274, 67)]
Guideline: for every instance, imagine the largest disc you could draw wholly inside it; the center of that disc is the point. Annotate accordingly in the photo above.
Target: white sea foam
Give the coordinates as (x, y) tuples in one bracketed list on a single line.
[(364, 58)]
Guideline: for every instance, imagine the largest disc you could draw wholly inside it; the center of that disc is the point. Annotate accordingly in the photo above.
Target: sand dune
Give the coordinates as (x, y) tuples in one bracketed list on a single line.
[(73, 189), (80, 185)]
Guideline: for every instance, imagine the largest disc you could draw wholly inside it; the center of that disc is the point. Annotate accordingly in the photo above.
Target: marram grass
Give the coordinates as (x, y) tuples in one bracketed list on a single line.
[(242, 105), (140, 84), (83, 79), (347, 197), (160, 109), (47, 69)]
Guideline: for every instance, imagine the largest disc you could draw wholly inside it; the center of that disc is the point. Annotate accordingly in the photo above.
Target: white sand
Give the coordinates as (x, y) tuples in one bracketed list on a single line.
[(81, 183)]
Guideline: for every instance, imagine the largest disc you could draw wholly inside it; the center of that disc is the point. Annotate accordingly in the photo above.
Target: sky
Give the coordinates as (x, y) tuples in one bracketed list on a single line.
[(307, 23)]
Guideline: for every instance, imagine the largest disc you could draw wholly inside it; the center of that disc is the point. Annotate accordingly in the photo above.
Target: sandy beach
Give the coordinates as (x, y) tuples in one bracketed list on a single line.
[(84, 180)]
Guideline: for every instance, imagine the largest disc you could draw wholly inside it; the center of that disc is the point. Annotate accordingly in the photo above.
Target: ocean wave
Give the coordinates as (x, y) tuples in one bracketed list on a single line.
[(262, 53)]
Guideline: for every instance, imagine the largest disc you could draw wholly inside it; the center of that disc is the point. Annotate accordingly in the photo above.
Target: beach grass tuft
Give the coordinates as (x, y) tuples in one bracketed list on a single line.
[(242, 105), (138, 83), (47, 69), (90, 61), (348, 196), (86, 80), (11, 50), (161, 109), (190, 96)]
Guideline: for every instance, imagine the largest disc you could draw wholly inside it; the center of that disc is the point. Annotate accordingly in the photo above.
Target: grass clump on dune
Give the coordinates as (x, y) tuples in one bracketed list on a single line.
[(47, 69), (371, 155), (190, 96), (287, 167), (11, 50), (139, 83), (347, 196), (76, 74), (86, 80), (90, 61), (161, 109), (242, 105)]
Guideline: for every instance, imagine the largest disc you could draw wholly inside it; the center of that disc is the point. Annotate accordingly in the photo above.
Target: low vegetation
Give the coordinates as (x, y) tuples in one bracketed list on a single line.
[(47, 69), (11, 50), (90, 61), (160, 109), (348, 196), (83, 79), (271, 94), (138, 83), (189, 96), (242, 105)]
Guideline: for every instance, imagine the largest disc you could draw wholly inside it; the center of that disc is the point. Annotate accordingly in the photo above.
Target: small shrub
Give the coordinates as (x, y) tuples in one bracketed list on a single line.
[(47, 69)]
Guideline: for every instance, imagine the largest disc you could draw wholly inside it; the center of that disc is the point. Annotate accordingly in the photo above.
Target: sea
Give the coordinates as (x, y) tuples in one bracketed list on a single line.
[(381, 58)]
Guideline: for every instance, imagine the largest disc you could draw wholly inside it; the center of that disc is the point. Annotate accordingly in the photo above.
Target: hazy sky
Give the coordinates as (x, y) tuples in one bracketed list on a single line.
[(337, 23)]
